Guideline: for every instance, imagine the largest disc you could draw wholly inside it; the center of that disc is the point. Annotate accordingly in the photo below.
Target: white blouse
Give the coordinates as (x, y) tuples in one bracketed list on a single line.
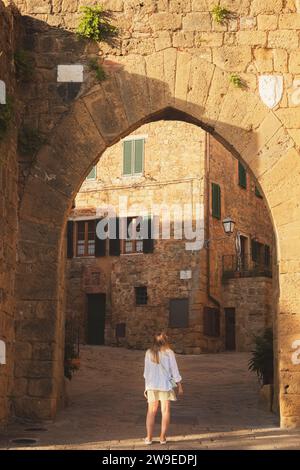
[(157, 376)]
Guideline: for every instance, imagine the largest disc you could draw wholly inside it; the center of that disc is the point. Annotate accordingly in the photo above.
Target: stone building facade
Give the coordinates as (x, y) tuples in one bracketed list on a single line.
[(171, 287), (152, 71)]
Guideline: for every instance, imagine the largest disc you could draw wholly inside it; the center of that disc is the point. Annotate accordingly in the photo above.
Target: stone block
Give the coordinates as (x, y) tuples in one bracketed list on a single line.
[(40, 388), (286, 39), (267, 22), (197, 22), (35, 408), (294, 62), (165, 21), (232, 58)]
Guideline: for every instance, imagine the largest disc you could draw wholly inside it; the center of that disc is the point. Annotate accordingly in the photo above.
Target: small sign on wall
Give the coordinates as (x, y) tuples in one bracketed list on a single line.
[(2, 352), (186, 274), (70, 73), (2, 92)]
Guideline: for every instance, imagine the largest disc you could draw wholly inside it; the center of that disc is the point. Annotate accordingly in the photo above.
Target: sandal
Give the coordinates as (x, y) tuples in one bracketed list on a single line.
[(147, 442)]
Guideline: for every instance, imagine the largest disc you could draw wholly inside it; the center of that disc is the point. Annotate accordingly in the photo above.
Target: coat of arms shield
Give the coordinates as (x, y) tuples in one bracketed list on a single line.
[(271, 89)]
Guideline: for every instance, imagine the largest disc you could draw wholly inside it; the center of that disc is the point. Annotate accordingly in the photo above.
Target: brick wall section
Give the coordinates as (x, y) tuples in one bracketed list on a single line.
[(8, 209)]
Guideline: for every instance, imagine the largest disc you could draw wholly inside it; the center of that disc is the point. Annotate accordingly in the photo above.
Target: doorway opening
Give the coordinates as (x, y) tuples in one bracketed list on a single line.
[(96, 305)]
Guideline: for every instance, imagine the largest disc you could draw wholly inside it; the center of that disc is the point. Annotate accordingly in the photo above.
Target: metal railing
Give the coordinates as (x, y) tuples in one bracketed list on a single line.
[(244, 266)]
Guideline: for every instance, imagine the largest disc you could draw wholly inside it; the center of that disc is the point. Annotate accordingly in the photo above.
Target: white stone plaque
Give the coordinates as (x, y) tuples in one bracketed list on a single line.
[(2, 352), (2, 92), (70, 73), (186, 274), (271, 89)]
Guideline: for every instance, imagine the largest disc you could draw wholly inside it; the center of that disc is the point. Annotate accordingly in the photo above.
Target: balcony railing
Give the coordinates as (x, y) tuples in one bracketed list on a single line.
[(244, 266)]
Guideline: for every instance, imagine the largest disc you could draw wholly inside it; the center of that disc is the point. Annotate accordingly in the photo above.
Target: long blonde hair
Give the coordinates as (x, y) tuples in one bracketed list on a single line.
[(160, 343)]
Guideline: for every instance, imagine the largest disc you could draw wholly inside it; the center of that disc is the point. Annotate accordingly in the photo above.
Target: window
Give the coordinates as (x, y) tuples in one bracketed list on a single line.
[(216, 200), (141, 295), (120, 330), (257, 193), (179, 313), (133, 156), (93, 174), (242, 176), (85, 238), (211, 322), (133, 242)]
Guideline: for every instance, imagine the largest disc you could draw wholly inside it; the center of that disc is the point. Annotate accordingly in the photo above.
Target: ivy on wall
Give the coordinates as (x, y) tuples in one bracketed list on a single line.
[(95, 24)]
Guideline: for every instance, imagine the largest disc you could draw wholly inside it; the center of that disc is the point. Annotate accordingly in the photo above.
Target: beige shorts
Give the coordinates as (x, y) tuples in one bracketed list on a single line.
[(159, 395)]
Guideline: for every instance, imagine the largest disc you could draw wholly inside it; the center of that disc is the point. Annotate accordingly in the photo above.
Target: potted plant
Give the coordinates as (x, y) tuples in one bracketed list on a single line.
[(262, 362), (72, 361)]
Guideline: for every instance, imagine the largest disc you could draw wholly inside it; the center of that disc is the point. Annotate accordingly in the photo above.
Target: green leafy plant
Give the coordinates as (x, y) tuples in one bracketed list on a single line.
[(262, 358), (236, 80), (29, 141), (98, 69), (219, 14), (95, 24), (24, 65), (72, 362), (6, 112)]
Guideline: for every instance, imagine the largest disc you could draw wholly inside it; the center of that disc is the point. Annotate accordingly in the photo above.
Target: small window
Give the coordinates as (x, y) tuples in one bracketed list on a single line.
[(85, 238), (141, 295), (133, 156), (216, 200), (179, 313), (211, 322), (242, 176), (92, 175), (257, 193), (120, 330)]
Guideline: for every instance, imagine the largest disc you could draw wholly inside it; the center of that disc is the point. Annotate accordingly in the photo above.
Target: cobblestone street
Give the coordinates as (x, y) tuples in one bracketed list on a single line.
[(220, 409)]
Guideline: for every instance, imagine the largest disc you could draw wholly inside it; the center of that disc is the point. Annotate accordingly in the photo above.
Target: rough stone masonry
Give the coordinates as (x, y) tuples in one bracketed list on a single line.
[(170, 55)]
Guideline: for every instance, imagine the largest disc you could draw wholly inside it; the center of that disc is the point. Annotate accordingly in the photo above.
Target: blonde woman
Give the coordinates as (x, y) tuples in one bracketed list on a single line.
[(161, 377)]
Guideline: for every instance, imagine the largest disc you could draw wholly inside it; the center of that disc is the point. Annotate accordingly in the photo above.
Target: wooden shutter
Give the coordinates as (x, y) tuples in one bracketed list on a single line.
[(100, 245), (179, 313), (148, 243), (70, 239), (114, 244), (138, 156), (216, 200), (127, 157), (267, 256), (257, 192), (242, 176)]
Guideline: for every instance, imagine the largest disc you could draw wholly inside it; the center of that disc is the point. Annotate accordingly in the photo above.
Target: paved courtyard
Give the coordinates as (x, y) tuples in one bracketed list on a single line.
[(220, 409)]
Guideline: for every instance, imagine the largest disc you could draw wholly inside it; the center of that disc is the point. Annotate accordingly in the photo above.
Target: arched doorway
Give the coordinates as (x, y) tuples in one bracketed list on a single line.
[(141, 90)]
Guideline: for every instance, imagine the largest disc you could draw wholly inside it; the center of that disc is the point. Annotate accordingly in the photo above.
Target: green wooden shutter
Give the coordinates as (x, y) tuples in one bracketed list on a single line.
[(92, 174), (139, 156), (100, 245), (216, 200), (257, 192), (127, 157), (242, 176), (148, 243)]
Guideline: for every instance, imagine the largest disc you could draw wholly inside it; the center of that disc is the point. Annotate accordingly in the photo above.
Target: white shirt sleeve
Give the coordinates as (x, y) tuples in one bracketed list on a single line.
[(146, 365), (174, 368)]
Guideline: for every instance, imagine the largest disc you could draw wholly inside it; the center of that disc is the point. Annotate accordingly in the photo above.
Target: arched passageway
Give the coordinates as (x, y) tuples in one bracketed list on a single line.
[(140, 90)]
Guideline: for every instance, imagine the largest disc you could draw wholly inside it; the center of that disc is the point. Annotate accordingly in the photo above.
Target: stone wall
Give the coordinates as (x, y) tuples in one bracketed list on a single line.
[(252, 299), (9, 26), (153, 72)]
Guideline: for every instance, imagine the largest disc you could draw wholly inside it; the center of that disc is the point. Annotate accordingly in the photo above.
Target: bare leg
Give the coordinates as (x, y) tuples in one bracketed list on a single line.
[(165, 418), (152, 410)]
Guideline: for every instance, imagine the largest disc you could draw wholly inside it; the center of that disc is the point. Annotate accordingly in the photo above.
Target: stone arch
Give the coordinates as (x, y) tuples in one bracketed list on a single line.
[(167, 84)]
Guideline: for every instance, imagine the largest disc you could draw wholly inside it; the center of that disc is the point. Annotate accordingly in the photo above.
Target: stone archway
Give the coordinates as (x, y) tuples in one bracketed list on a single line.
[(140, 89)]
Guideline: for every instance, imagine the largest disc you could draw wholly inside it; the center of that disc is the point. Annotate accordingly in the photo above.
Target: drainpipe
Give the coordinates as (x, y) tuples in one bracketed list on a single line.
[(207, 224)]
